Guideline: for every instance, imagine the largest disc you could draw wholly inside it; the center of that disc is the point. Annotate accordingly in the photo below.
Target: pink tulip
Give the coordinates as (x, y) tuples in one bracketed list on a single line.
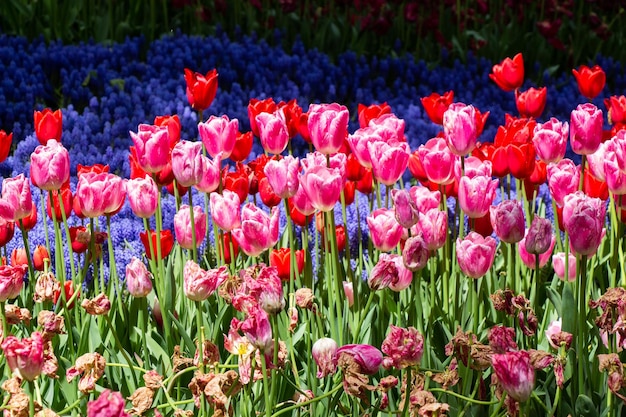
[(385, 231), (404, 347), (558, 263), (389, 272), (218, 134), (405, 275), (187, 165), (473, 167), (586, 129), (153, 147), (138, 278), (358, 142), (553, 330), (182, 226), (258, 231), (366, 356), (583, 220), (323, 186), (475, 254), (539, 238), (225, 210), (390, 127), (199, 284), (283, 176), (595, 161), (256, 327), (515, 374), (142, 196), (16, 202), (424, 198), (273, 131), (407, 213), (563, 179), (459, 128), (433, 226), (24, 357), (323, 351), (328, 126), (108, 404), (50, 166), (11, 281), (210, 177), (415, 253), (100, 194), (550, 140), (438, 161), (507, 220), (529, 258), (476, 195), (302, 202), (348, 290), (389, 160)]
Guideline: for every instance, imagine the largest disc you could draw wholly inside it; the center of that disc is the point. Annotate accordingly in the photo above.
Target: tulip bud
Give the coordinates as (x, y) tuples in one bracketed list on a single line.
[(348, 289), (138, 278), (323, 352)]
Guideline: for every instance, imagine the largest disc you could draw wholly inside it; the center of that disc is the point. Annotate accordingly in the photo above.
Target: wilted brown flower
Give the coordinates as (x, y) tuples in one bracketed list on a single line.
[(449, 377), (210, 354), (153, 380), (304, 298), (51, 324), (97, 306), (91, 367), (179, 362), (220, 387), (45, 287), (141, 400)]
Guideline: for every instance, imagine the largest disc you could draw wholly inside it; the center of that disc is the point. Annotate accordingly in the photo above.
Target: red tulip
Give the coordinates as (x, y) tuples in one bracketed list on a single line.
[(616, 109), (167, 243), (237, 182), (69, 291), (365, 185), (435, 105), (227, 240), (590, 80), (7, 229), (256, 107), (201, 89), (67, 199), (243, 146), (5, 144), (531, 102), (79, 238), (48, 125), (297, 217), (39, 256), (30, 221), (348, 192), (354, 169), (594, 187), (292, 113), (268, 196), (509, 74), (367, 113), (281, 259), (173, 127)]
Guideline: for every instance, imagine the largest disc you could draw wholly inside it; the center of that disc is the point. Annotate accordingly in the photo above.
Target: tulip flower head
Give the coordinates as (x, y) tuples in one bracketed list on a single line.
[(531, 102), (258, 231), (323, 352), (585, 129), (183, 229), (48, 125), (590, 81), (404, 347), (550, 140), (24, 357), (509, 74), (50, 166), (385, 231), (435, 105), (475, 254), (201, 89), (152, 147), (219, 135), (16, 202), (515, 373), (583, 220), (138, 278), (142, 196), (328, 126), (460, 129), (507, 220)]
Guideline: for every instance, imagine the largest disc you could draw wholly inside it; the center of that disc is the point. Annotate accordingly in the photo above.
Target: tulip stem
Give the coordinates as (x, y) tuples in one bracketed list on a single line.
[(582, 322), (121, 348), (45, 221), (582, 172), (266, 392), (194, 247), (29, 260), (200, 326), (67, 232), (463, 397), (407, 391), (3, 317)]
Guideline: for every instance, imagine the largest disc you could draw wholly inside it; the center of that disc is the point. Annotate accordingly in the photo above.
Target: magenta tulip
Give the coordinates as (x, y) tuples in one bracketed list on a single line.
[(24, 357), (218, 134), (142, 196), (433, 226), (366, 356), (515, 373), (182, 226), (258, 231), (507, 220), (615, 164), (550, 140), (273, 131), (358, 142), (283, 176), (385, 231), (415, 253), (187, 163), (528, 258), (16, 202), (425, 198), (404, 347), (210, 177), (328, 126), (459, 128), (225, 210), (586, 129), (583, 220), (11, 281), (476, 195), (50, 166), (152, 146), (438, 161), (199, 284), (405, 207), (475, 254), (108, 404)]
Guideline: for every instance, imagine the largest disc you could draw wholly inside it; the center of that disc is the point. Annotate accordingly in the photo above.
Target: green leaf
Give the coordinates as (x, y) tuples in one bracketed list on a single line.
[(585, 407), (569, 310)]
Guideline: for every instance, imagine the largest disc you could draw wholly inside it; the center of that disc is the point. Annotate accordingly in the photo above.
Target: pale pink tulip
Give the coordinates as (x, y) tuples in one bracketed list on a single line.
[(459, 128), (389, 126), (550, 140), (615, 164), (563, 179), (473, 167), (586, 129), (258, 231), (225, 210), (476, 195), (385, 231), (187, 165), (218, 134), (475, 254), (142, 196), (558, 263), (50, 166), (199, 284), (323, 351), (138, 278), (283, 176), (595, 161), (152, 146), (183, 229), (328, 126)]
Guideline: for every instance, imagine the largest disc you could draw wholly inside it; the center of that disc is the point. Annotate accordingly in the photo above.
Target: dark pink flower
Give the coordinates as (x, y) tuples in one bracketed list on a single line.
[(108, 404), (24, 357), (368, 357), (404, 347), (515, 373)]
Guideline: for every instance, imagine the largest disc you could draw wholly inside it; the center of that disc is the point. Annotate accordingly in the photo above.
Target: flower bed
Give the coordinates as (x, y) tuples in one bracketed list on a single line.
[(318, 281)]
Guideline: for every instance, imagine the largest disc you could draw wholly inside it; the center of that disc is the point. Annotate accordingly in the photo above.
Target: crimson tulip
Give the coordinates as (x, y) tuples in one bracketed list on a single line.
[(435, 105), (281, 259), (48, 125), (509, 74), (256, 107), (531, 102), (590, 80), (5, 144), (167, 243), (367, 113), (243, 146), (201, 89), (616, 109)]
